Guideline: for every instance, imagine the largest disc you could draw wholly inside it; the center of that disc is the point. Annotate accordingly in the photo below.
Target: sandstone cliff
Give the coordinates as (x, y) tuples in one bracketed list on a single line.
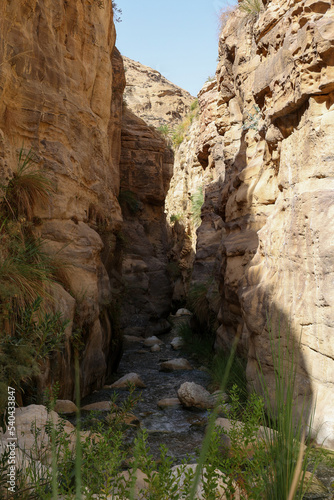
[(152, 97), (146, 168), (269, 138), (61, 85)]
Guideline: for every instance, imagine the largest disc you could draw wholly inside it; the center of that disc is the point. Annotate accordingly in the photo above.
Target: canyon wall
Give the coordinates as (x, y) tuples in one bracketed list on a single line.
[(152, 97), (267, 130), (146, 168), (61, 86)]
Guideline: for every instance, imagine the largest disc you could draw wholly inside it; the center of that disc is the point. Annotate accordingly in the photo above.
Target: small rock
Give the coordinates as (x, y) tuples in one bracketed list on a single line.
[(128, 418), (129, 379), (219, 397), (315, 488), (183, 312), (151, 341), (141, 483), (175, 364), (169, 403), (177, 343), (155, 348), (191, 394), (65, 406), (98, 406)]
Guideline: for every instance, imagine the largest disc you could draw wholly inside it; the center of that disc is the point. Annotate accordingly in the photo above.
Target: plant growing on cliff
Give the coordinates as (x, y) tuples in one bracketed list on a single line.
[(117, 12), (180, 131), (27, 188), (36, 335), (197, 200), (26, 273), (252, 120), (251, 7), (129, 200)]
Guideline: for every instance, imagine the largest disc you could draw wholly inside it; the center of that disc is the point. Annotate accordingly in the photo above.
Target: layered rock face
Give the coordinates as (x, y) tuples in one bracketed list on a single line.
[(146, 168), (275, 130), (61, 85), (188, 181), (152, 97)]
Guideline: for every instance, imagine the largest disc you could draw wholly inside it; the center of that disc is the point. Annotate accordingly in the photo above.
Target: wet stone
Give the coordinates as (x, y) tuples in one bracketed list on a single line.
[(151, 341)]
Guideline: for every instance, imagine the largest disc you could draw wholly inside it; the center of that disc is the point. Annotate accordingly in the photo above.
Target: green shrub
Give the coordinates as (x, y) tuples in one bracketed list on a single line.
[(194, 105), (165, 131), (178, 135), (180, 131), (36, 336), (175, 218), (252, 120), (130, 200), (197, 200), (27, 188), (251, 7)]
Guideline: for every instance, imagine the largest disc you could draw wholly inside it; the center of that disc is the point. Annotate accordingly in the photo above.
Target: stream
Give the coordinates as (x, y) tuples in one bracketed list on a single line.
[(180, 429)]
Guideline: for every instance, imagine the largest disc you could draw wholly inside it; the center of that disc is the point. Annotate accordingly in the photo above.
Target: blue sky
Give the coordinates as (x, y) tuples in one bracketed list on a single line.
[(179, 38)]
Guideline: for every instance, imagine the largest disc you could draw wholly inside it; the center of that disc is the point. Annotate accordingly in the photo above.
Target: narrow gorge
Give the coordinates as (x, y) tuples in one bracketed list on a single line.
[(160, 202)]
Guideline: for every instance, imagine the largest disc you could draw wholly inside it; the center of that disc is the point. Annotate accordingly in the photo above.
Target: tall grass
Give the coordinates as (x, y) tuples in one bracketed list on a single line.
[(251, 7), (28, 187), (287, 451), (197, 200)]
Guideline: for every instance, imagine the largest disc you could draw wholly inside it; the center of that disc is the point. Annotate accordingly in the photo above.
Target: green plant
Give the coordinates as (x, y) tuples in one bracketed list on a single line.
[(210, 78), (194, 105), (197, 200), (180, 131), (251, 7), (291, 427), (25, 269), (217, 368), (178, 135), (252, 120), (175, 218), (199, 302), (164, 130), (130, 200), (35, 337), (27, 188)]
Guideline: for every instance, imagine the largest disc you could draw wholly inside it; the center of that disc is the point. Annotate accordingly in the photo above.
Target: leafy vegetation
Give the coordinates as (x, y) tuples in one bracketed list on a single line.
[(259, 463), (252, 119), (28, 333), (130, 200), (197, 200), (175, 218), (251, 7), (179, 132)]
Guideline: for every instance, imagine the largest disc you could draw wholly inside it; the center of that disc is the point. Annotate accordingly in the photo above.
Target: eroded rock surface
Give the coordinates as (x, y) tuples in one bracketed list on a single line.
[(146, 167), (275, 129), (152, 97), (61, 85)]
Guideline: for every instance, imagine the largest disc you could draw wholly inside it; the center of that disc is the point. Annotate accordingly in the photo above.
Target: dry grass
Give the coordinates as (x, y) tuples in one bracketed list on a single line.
[(27, 188), (223, 16)]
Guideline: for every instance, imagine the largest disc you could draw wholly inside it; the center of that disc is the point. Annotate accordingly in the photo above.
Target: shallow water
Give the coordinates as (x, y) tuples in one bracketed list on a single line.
[(180, 429)]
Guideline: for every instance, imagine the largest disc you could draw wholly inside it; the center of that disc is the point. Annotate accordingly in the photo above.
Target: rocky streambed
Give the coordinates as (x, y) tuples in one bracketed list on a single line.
[(160, 368)]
